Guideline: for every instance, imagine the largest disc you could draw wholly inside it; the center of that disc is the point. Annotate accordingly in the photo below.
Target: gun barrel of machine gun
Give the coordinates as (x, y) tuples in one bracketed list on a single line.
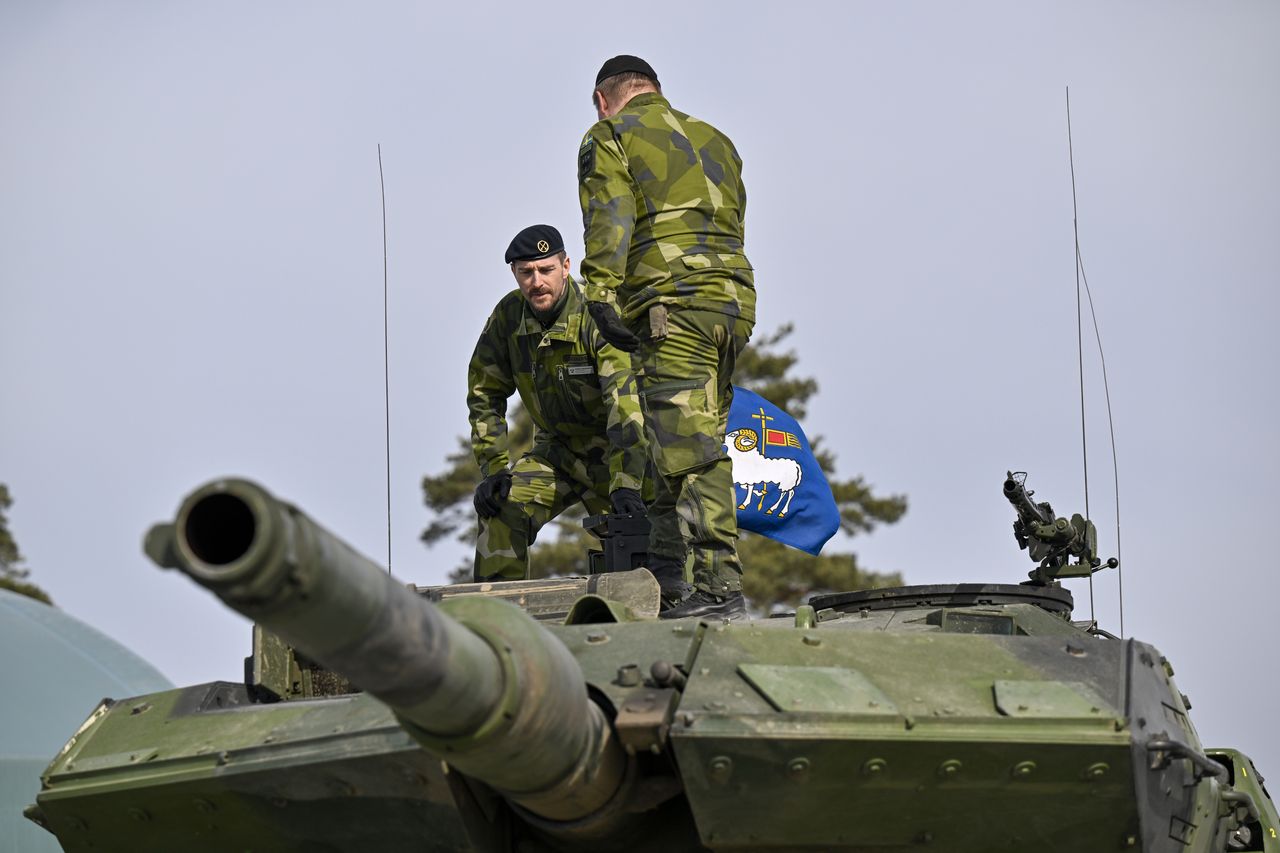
[(1027, 509)]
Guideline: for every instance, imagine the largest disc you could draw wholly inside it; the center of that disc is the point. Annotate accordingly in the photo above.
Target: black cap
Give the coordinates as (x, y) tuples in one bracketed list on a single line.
[(534, 243), (622, 64)]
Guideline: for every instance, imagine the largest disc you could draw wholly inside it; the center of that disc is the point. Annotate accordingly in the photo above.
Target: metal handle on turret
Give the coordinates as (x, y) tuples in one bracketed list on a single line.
[(1162, 750)]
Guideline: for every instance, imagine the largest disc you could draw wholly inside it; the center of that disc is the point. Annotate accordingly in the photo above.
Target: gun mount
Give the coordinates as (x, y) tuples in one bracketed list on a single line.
[(1052, 541), (969, 717)]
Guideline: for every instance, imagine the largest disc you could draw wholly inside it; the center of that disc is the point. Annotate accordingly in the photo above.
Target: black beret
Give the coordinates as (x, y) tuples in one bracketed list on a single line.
[(624, 63), (534, 243)]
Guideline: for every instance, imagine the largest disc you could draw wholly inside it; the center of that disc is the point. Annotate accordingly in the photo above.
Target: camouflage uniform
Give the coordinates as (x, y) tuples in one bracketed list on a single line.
[(582, 397), (662, 203)]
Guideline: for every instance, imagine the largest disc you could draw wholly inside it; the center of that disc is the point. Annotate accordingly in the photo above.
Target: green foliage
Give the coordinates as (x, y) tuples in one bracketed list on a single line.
[(12, 574), (775, 575)]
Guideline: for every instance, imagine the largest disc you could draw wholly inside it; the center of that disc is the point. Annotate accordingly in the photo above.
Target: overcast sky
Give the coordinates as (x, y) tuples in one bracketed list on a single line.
[(191, 276)]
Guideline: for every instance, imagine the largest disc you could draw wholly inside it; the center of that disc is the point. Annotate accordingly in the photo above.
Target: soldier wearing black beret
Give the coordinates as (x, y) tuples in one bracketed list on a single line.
[(588, 444), (534, 243)]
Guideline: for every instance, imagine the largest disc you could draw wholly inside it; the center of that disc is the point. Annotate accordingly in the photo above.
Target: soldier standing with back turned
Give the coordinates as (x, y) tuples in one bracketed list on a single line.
[(579, 390), (666, 277)]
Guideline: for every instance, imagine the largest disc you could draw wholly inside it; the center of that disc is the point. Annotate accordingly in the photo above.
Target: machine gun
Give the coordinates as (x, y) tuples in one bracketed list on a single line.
[(1052, 541)]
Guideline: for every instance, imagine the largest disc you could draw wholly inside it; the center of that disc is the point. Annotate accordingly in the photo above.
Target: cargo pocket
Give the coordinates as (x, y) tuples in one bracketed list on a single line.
[(681, 425), (582, 385)]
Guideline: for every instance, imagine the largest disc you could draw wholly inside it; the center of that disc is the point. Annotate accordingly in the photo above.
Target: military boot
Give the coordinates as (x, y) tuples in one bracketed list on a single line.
[(670, 577), (731, 605)]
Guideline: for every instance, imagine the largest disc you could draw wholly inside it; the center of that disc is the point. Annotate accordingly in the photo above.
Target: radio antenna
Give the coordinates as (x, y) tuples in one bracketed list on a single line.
[(386, 361), (1115, 468), (1084, 442)]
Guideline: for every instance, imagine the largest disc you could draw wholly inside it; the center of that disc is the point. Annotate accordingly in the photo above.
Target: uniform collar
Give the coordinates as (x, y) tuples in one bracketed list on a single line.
[(644, 99), (566, 326)]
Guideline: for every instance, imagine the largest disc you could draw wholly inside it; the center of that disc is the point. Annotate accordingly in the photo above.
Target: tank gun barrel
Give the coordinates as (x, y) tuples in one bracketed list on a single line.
[(482, 686)]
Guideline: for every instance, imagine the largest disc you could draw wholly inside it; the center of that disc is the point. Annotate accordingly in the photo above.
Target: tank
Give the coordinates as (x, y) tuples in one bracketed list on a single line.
[(563, 715)]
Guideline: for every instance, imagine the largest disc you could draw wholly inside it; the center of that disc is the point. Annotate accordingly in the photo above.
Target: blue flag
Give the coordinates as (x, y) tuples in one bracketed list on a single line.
[(779, 488)]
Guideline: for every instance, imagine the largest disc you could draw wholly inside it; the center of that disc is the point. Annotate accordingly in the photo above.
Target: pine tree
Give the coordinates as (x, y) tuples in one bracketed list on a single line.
[(12, 574), (774, 575)]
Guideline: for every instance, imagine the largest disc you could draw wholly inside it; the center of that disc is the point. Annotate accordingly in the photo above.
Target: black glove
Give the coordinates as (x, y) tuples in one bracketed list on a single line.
[(611, 328), (626, 502), (491, 492)]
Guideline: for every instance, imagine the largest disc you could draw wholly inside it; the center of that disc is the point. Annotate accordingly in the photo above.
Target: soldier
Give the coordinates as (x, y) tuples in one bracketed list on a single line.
[(579, 390), (662, 207)]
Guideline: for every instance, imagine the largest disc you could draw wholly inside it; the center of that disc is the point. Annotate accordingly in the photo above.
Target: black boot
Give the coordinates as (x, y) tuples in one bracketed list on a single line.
[(729, 606), (670, 577)]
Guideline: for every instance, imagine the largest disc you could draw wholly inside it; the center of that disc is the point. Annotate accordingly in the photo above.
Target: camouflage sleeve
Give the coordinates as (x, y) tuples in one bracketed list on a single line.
[(606, 192), (489, 384), (742, 199), (625, 426)]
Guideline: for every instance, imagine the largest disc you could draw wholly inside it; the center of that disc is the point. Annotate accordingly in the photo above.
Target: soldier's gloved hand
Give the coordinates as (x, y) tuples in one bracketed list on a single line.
[(611, 328), (491, 493), (627, 502)]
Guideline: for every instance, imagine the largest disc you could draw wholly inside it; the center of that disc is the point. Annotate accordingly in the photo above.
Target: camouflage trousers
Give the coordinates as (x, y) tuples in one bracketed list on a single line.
[(686, 364), (545, 482)]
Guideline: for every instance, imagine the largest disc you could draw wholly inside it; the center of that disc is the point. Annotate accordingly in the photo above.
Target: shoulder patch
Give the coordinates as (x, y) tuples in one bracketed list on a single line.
[(586, 157)]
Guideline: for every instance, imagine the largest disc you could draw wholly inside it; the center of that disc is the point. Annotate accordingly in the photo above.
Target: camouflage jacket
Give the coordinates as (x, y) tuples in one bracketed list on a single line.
[(579, 390), (662, 208)]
